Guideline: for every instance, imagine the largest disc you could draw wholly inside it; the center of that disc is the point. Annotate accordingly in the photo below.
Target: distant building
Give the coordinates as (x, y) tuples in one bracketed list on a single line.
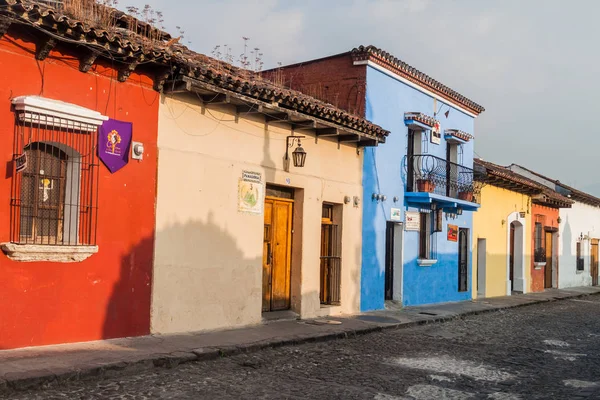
[(578, 233), (515, 231)]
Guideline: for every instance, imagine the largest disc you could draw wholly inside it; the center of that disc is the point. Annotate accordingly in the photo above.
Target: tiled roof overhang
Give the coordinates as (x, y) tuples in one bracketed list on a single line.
[(388, 61), (420, 117), (502, 177), (576, 194), (119, 41), (178, 65), (459, 135)]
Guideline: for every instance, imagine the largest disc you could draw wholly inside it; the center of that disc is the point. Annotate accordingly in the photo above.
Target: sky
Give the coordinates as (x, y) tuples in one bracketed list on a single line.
[(533, 64)]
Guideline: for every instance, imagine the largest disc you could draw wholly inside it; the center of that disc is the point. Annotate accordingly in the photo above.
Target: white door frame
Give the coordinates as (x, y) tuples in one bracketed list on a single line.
[(398, 262), (520, 246)]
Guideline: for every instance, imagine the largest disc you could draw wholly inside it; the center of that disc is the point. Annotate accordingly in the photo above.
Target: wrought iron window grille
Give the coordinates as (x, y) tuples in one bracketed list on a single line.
[(54, 199)]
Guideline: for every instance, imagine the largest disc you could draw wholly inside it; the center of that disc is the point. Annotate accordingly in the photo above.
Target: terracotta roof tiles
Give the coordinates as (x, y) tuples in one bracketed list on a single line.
[(130, 46), (396, 65), (524, 185)]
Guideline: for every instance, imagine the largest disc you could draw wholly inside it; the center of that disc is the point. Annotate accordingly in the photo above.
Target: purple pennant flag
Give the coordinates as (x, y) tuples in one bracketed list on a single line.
[(114, 142)]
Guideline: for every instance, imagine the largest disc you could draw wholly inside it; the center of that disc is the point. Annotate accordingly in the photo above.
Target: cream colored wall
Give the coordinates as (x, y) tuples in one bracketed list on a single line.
[(208, 256), (496, 205)]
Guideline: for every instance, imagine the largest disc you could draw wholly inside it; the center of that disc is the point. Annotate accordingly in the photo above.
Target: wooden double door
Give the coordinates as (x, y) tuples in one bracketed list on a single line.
[(277, 250)]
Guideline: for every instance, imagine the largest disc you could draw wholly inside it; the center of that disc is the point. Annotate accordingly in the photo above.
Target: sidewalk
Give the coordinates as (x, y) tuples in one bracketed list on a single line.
[(38, 366)]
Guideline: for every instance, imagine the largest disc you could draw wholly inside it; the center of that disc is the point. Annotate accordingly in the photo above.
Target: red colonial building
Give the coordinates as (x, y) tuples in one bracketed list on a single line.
[(77, 239)]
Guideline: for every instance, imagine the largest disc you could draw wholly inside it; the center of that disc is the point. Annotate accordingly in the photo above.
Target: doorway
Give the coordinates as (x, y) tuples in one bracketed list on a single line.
[(463, 260), (511, 257), (594, 262), (549, 268), (277, 250), (481, 259), (393, 261)]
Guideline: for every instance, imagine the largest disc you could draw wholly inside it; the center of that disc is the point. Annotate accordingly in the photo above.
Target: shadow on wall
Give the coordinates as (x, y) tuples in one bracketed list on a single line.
[(200, 274), (567, 236), (128, 308)]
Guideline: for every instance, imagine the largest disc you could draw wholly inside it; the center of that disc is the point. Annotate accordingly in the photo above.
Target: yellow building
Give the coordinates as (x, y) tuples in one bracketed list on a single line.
[(502, 232)]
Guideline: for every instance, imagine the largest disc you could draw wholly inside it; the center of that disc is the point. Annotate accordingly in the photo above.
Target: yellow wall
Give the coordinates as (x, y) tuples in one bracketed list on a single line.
[(208, 256), (496, 205)]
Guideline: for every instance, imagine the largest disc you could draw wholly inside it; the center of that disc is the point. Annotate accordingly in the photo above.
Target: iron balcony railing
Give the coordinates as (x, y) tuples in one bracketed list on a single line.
[(428, 173)]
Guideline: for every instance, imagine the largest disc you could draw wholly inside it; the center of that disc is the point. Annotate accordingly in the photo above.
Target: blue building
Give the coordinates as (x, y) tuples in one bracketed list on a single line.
[(419, 192)]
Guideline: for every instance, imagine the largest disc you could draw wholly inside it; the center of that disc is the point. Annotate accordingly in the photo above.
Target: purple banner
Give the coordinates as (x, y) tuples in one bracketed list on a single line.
[(114, 142)]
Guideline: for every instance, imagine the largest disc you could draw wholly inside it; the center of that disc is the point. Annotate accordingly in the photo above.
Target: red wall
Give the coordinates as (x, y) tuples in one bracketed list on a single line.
[(537, 275), (107, 295), (335, 79)]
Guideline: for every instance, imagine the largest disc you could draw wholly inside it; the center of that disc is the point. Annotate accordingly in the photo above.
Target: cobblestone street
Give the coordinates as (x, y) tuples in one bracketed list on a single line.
[(547, 351)]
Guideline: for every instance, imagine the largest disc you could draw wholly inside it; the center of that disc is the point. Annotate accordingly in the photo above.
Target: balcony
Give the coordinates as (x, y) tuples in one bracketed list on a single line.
[(432, 179)]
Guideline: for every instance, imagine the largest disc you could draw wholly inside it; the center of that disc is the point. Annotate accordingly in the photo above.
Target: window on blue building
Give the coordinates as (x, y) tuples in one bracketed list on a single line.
[(425, 237)]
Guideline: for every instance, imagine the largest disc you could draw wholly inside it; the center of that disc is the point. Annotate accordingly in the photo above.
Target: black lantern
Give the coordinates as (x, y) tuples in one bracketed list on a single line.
[(299, 155)]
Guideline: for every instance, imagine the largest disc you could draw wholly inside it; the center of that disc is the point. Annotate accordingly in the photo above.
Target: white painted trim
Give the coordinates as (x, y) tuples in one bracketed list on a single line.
[(398, 284), (39, 110), (412, 84), (36, 253), (516, 217), (425, 262)]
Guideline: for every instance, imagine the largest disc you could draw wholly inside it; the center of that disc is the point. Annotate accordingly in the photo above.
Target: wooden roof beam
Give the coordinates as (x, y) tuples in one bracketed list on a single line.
[(327, 132), (216, 99), (277, 117)]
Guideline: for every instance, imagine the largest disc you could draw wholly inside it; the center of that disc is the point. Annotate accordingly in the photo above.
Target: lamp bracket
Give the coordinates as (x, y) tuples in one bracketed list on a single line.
[(289, 140)]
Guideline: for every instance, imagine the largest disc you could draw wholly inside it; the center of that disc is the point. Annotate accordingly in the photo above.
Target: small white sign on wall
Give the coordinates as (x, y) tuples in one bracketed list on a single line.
[(396, 214), (413, 221), (250, 192), (436, 135)]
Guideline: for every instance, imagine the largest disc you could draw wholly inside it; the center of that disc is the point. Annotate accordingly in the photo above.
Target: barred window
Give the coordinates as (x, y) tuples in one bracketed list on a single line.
[(539, 254), (331, 260), (55, 176)]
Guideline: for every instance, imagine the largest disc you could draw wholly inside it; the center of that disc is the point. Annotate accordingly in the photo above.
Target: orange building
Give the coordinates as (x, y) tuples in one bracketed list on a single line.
[(544, 244), (59, 81)]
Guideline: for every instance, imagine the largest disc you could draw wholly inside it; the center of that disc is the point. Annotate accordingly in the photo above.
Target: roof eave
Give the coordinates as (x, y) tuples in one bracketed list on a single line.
[(276, 112)]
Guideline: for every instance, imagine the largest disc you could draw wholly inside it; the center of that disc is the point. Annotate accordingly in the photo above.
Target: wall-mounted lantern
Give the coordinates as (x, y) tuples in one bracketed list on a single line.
[(298, 155)]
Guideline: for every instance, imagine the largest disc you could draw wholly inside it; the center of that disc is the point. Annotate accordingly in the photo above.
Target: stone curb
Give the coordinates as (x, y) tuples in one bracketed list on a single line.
[(45, 378)]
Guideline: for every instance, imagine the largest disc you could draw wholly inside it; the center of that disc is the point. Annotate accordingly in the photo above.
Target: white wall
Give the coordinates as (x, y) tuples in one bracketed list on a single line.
[(580, 219)]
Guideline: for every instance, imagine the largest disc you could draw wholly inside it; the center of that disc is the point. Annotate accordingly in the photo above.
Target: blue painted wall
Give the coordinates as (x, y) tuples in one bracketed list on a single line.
[(387, 100)]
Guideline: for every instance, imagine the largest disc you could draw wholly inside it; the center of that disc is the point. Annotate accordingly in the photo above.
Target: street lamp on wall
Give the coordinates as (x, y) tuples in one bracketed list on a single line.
[(298, 155)]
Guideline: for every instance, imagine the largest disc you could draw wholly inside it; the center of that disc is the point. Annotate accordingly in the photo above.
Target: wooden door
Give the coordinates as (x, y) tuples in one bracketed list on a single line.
[(277, 250), (511, 258), (463, 260), (594, 262), (549, 261)]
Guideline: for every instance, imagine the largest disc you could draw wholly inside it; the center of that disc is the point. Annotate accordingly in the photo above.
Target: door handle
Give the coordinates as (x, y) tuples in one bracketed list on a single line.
[(269, 256)]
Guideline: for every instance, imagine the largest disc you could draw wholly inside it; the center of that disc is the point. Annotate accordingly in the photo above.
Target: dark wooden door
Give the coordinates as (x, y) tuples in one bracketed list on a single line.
[(43, 195), (389, 261), (463, 260), (511, 257), (277, 250), (549, 261), (594, 262)]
